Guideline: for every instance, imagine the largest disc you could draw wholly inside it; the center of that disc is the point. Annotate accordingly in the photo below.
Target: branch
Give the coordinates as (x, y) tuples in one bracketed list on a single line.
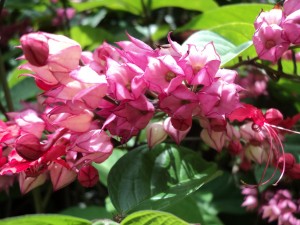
[(274, 74)]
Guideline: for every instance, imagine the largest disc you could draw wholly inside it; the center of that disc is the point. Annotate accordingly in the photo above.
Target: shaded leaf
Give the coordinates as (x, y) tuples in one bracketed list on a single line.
[(104, 167), (144, 179), (89, 212)]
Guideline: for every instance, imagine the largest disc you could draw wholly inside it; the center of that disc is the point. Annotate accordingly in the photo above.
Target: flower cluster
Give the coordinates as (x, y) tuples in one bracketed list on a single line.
[(276, 30), (92, 97), (276, 205)]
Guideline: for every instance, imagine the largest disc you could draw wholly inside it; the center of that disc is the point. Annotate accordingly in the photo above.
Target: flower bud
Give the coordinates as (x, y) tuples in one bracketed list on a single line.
[(155, 134), (28, 146), (88, 176), (35, 48), (257, 154), (235, 147)]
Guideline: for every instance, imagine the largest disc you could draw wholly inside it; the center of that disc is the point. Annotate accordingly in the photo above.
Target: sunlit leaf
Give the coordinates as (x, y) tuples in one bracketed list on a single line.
[(90, 37), (149, 217), (189, 5), (44, 219), (130, 6), (226, 14), (226, 49)]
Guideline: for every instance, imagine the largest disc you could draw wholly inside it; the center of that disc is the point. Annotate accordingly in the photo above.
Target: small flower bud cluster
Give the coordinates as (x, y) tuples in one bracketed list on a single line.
[(274, 206)]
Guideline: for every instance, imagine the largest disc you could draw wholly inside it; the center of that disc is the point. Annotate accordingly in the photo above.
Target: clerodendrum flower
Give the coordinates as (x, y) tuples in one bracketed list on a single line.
[(267, 126)]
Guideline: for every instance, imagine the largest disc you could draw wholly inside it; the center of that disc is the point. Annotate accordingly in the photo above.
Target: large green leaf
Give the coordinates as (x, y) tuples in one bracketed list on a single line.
[(226, 49), (222, 195), (130, 6), (135, 6), (44, 219), (90, 37), (144, 179), (104, 168), (226, 14), (89, 212), (189, 5), (150, 217)]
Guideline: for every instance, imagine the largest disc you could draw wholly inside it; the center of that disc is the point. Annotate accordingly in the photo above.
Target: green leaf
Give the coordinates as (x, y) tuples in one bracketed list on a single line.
[(23, 90), (104, 168), (90, 37), (14, 77), (149, 217), (44, 219), (130, 6), (105, 222), (89, 212), (269, 173), (144, 179), (226, 14), (226, 49), (189, 5)]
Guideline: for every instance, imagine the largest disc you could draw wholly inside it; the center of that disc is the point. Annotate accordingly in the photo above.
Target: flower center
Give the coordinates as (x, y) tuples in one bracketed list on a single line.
[(169, 76), (270, 44), (196, 68)]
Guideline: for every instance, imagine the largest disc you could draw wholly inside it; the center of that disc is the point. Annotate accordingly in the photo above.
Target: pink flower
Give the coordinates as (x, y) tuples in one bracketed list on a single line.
[(125, 80), (163, 74), (291, 27), (181, 105), (290, 6), (91, 146), (274, 16), (269, 43), (137, 52), (73, 116), (221, 97), (29, 122), (202, 64), (128, 118)]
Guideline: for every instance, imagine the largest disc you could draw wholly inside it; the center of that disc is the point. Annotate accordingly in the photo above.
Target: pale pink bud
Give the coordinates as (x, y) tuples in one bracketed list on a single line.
[(61, 176), (35, 48), (28, 146), (250, 202), (88, 176), (176, 135), (29, 183), (215, 140), (155, 134), (256, 154)]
